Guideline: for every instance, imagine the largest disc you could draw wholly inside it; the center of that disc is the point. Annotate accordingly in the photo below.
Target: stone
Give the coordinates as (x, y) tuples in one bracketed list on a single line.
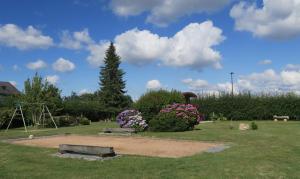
[(119, 130), (87, 150), (285, 120), (275, 120), (30, 136), (244, 127)]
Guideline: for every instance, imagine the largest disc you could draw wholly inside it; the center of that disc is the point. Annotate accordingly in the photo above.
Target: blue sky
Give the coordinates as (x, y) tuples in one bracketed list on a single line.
[(188, 45)]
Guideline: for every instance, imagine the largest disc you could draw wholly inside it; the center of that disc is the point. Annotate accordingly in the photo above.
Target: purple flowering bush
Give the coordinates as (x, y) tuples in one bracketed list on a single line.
[(176, 117), (132, 119)]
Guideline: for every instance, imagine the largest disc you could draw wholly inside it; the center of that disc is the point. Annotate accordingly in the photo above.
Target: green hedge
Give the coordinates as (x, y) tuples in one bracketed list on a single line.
[(250, 107), (150, 103)]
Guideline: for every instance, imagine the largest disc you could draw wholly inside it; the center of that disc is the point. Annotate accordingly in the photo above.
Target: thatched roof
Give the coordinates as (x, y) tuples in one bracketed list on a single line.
[(7, 88)]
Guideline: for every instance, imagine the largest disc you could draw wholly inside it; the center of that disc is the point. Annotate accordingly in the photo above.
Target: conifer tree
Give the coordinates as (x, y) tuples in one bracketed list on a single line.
[(112, 85)]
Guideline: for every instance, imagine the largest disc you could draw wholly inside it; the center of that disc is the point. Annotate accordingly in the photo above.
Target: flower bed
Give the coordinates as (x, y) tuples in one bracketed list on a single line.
[(131, 119), (176, 117)]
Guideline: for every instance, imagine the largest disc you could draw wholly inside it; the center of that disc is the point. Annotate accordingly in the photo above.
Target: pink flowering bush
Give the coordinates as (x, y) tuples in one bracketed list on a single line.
[(176, 117), (131, 119)]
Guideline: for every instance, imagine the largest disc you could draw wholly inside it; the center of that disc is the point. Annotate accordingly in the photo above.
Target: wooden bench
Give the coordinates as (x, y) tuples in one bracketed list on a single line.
[(284, 118), (87, 150), (119, 130)]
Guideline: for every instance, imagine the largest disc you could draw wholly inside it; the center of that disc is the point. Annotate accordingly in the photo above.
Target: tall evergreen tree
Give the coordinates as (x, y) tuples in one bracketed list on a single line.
[(112, 85)]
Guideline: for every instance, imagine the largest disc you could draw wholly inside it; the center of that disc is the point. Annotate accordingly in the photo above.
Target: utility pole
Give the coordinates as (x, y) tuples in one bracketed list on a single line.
[(231, 76)]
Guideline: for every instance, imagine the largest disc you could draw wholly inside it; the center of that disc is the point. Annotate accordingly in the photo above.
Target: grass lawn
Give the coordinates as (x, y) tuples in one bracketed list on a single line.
[(273, 151)]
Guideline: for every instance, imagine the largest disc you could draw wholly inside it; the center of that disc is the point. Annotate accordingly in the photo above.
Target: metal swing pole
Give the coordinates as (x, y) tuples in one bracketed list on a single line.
[(51, 116), (23, 119), (11, 118), (20, 108)]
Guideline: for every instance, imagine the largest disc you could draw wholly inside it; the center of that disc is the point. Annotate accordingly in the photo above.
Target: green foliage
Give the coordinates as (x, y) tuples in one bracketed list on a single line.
[(112, 85), (87, 105), (254, 126), (37, 91), (66, 121), (168, 122), (5, 115), (84, 121), (250, 107), (217, 117), (63, 121), (153, 101)]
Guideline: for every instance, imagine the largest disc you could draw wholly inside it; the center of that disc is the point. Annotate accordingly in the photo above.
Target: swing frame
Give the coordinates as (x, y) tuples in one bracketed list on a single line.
[(41, 118)]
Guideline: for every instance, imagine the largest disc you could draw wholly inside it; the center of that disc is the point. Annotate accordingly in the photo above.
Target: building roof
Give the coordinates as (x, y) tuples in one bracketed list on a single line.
[(7, 88)]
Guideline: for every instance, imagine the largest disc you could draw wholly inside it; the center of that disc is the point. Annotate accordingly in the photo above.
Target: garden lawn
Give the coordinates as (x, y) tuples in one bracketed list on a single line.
[(273, 151)]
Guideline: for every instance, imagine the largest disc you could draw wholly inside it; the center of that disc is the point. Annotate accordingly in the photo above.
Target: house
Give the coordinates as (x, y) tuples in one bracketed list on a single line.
[(7, 89)]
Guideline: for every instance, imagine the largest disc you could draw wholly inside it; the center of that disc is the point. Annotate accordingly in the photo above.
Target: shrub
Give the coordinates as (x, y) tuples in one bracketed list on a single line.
[(254, 126), (63, 121), (246, 106), (131, 119), (153, 101), (217, 117), (5, 115), (84, 121), (176, 117)]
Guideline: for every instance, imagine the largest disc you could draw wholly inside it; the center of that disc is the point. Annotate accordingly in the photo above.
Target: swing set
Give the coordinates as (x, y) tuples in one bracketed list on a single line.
[(43, 110)]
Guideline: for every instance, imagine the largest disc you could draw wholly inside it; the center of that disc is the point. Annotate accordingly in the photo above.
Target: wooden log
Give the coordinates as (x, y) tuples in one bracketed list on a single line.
[(87, 150), (119, 130)]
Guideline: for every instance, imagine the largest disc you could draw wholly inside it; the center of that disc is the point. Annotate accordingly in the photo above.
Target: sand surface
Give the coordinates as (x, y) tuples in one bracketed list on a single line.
[(127, 145)]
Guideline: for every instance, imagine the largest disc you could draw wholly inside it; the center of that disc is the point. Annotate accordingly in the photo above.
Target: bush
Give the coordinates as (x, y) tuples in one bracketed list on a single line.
[(217, 117), (176, 117), (92, 107), (84, 121), (248, 106), (5, 115), (63, 121), (168, 122), (254, 126), (131, 119), (153, 101)]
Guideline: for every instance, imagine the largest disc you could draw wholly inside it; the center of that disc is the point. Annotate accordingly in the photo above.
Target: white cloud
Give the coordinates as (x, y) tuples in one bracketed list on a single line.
[(97, 53), (84, 91), (290, 77), (140, 46), (191, 47), (292, 67), (63, 65), (13, 36), (196, 84), (276, 19), (163, 12), (14, 83), (268, 81), (153, 85), (37, 65), (265, 62), (52, 79), (76, 40)]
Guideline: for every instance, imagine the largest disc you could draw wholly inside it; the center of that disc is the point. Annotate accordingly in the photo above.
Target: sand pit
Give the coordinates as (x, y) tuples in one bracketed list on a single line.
[(127, 145)]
